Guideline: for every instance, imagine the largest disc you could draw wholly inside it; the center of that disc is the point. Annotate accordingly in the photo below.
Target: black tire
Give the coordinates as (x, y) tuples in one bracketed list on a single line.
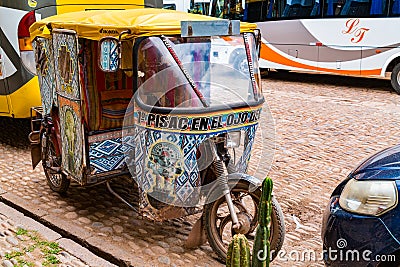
[(240, 63), (212, 227), (395, 78), (57, 181)]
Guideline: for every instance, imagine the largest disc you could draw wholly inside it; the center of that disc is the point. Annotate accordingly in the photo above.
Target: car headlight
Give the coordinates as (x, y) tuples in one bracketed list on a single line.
[(369, 197)]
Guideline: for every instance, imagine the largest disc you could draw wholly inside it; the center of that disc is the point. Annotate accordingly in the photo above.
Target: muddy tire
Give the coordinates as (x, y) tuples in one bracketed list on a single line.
[(57, 181), (215, 223)]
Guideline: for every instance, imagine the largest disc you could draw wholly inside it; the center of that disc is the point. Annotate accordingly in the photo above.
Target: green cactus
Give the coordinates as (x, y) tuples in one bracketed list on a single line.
[(238, 252), (261, 247)]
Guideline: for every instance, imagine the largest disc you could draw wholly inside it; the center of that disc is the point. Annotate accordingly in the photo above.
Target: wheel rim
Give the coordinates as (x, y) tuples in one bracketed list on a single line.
[(243, 66), (398, 78), (221, 221)]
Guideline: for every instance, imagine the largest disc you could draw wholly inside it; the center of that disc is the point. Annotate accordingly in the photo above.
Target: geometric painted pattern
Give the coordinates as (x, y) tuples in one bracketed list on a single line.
[(45, 70), (68, 92), (109, 155), (187, 184), (243, 162)]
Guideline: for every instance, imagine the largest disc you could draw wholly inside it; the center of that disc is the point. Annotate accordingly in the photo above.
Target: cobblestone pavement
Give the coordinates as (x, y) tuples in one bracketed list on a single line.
[(325, 125), (25, 242)]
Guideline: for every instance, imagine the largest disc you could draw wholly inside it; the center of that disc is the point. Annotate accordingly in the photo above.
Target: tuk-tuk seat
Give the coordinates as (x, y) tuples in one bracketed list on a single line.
[(106, 95)]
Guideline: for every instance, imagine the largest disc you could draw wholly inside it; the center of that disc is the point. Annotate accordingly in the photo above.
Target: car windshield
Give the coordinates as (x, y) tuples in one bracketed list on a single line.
[(198, 72)]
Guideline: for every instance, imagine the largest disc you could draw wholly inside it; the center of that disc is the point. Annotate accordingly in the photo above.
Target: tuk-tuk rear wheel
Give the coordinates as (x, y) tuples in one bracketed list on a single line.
[(214, 222), (57, 181)]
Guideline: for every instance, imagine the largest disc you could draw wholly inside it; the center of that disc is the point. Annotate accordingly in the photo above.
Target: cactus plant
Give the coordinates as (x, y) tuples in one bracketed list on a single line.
[(238, 252), (261, 247)]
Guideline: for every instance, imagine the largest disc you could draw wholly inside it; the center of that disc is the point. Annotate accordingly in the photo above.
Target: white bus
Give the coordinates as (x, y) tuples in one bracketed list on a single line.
[(348, 37)]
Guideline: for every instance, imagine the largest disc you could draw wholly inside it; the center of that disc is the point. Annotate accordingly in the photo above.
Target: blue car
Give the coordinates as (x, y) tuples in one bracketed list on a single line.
[(361, 224)]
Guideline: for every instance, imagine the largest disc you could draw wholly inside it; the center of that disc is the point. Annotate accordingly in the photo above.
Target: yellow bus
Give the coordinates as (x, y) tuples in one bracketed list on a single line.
[(19, 89)]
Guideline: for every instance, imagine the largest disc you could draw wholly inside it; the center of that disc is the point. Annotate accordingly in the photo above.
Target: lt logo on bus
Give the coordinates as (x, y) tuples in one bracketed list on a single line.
[(352, 29)]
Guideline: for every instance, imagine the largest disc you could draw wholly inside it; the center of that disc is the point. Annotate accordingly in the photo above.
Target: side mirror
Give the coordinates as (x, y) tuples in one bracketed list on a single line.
[(109, 54)]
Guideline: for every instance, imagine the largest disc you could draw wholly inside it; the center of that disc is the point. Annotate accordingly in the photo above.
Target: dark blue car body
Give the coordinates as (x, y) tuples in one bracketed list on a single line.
[(350, 239)]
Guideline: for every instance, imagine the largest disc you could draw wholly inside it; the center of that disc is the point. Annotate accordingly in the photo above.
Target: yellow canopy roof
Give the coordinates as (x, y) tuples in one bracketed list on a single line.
[(141, 22)]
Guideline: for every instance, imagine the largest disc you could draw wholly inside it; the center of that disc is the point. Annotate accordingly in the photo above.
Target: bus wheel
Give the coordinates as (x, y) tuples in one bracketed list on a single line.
[(395, 78), (240, 63)]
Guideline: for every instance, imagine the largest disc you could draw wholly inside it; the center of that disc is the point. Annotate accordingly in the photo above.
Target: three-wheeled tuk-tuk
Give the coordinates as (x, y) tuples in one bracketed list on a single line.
[(148, 92)]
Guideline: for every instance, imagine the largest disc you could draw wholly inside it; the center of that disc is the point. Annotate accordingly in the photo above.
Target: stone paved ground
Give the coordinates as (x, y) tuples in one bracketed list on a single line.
[(325, 125), (26, 242)]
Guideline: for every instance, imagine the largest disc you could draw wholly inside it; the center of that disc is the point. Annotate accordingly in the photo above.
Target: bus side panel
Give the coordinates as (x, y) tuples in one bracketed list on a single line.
[(381, 44), (29, 94), (355, 45), (287, 45), (351, 46), (337, 59), (4, 108), (337, 52)]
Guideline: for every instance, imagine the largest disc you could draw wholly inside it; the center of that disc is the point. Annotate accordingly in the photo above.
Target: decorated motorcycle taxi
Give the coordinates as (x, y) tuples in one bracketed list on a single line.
[(154, 94)]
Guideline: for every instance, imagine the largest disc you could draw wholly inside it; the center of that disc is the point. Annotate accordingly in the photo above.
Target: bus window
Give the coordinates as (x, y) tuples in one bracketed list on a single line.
[(316, 9), (255, 10), (298, 8), (395, 10), (353, 8), (232, 9), (169, 6), (378, 7), (217, 8), (333, 7), (200, 8)]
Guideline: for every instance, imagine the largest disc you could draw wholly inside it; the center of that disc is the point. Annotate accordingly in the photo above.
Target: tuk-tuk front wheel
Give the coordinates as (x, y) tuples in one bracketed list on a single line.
[(57, 181), (218, 222)]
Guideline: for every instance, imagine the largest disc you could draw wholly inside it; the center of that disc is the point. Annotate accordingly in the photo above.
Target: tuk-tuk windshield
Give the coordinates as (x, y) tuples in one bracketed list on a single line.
[(176, 72)]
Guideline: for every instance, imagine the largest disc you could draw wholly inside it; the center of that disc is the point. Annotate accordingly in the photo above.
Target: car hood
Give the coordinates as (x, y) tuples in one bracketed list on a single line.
[(384, 165)]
